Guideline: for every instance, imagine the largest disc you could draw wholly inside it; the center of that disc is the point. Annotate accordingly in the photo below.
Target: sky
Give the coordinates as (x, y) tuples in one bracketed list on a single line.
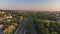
[(42, 5)]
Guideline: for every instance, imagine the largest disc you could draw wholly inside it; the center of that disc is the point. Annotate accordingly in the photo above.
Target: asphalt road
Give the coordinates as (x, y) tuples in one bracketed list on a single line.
[(33, 30), (1, 32), (16, 32), (23, 29)]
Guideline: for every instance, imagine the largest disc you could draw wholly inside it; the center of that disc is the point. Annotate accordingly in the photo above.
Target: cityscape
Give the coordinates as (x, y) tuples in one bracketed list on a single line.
[(20, 22), (29, 16)]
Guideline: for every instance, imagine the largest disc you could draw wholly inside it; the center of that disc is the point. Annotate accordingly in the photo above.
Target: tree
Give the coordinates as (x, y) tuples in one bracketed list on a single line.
[(45, 31), (45, 22), (54, 33)]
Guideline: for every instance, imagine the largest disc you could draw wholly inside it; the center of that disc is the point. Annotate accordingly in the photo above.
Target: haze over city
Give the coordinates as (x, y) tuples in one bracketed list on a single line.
[(29, 16), (42, 5)]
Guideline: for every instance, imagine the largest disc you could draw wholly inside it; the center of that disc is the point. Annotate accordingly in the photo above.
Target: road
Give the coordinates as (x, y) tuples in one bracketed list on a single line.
[(1, 32), (33, 30), (23, 29), (16, 32), (57, 20)]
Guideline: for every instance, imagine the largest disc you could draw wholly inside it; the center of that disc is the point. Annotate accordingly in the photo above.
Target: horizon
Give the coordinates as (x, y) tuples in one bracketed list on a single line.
[(39, 5)]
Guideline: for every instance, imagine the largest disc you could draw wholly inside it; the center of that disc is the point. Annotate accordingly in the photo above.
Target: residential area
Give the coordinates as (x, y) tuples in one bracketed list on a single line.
[(9, 22), (20, 22)]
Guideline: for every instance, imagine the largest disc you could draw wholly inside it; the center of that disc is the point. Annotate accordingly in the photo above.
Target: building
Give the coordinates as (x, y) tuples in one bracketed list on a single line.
[(2, 12), (21, 17), (1, 18), (8, 28), (9, 16), (1, 25)]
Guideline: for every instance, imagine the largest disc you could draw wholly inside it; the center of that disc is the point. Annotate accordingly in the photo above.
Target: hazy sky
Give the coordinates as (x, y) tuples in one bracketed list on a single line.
[(53, 5)]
